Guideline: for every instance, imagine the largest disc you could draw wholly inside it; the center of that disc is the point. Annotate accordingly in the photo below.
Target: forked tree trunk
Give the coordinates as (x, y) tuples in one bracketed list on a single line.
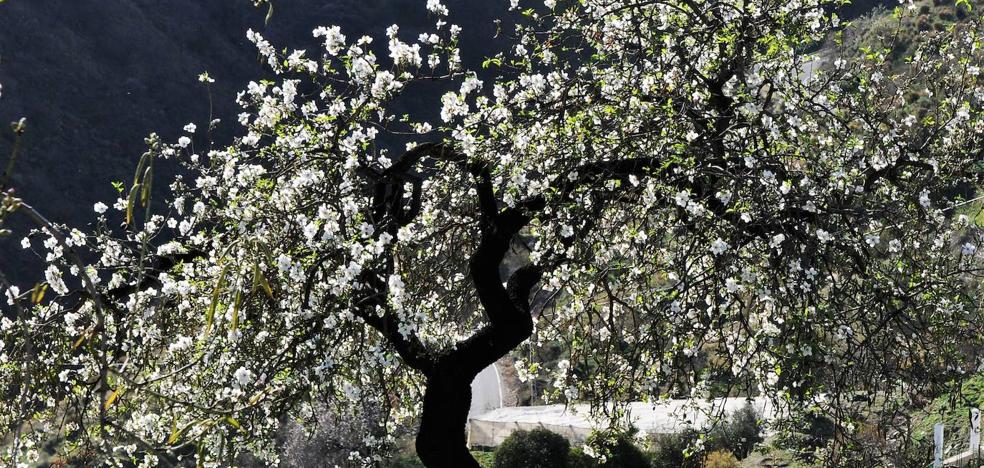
[(441, 440)]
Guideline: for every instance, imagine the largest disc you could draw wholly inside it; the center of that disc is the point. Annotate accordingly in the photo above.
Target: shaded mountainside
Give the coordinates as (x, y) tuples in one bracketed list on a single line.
[(94, 78), (860, 7)]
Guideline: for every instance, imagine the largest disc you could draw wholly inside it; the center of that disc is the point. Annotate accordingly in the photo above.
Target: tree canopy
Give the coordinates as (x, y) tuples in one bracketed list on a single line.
[(678, 192)]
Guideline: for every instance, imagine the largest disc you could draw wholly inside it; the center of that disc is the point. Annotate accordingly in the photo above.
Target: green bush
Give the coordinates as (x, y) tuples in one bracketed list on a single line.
[(486, 459), (579, 459), (953, 410), (621, 453), (805, 435), (409, 460), (738, 435), (668, 450), (404, 461), (722, 459), (625, 454), (538, 448)]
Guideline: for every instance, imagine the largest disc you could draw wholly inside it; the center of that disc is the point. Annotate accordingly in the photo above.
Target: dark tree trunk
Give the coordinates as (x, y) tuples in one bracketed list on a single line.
[(441, 441)]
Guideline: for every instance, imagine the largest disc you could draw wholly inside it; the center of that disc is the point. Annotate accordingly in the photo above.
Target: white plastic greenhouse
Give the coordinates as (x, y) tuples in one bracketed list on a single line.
[(489, 429)]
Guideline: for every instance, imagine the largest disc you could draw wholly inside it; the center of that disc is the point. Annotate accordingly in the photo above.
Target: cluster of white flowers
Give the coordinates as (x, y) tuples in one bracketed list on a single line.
[(334, 39), (289, 263)]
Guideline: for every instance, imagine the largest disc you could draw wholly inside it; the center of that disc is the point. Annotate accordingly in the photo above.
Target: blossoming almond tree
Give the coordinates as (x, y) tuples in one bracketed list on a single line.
[(659, 186)]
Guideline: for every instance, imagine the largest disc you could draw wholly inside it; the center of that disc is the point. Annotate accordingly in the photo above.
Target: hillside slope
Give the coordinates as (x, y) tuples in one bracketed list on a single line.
[(94, 77)]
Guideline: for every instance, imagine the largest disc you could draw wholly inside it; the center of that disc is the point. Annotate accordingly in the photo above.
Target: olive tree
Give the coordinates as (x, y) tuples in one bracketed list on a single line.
[(671, 190)]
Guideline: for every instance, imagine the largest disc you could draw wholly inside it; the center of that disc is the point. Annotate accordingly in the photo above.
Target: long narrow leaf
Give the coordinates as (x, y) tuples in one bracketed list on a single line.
[(37, 294), (210, 315), (112, 398), (235, 310), (260, 281), (130, 201), (144, 159), (147, 182)]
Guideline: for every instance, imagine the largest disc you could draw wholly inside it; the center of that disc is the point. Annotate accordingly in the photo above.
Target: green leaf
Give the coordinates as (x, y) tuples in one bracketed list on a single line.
[(112, 398), (81, 339), (176, 433), (141, 165), (235, 310), (260, 281), (255, 398), (37, 294), (266, 21), (210, 315), (147, 180), (492, 61), (130, 201), (233, 422)]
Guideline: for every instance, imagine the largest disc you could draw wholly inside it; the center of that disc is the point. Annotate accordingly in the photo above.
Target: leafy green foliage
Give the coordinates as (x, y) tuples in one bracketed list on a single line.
[(485, 459), (953, 410), (738, 435), (722, 459), (538, 448), (669, 451), (806, 435), (620, 453)]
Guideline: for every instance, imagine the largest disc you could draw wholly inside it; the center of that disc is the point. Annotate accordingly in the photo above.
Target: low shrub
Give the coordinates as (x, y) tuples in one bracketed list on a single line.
[(738, 435), (722, 459), (668, 450), (538, 448), (804, 436), (486, 459), (404, 461), (625, 454), (410, 460), (620, 453)]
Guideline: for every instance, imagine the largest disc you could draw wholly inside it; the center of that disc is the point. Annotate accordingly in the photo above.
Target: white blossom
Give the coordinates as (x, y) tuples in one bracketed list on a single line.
[(436, 7), (719, 246), (968, 249), (333, 37)]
